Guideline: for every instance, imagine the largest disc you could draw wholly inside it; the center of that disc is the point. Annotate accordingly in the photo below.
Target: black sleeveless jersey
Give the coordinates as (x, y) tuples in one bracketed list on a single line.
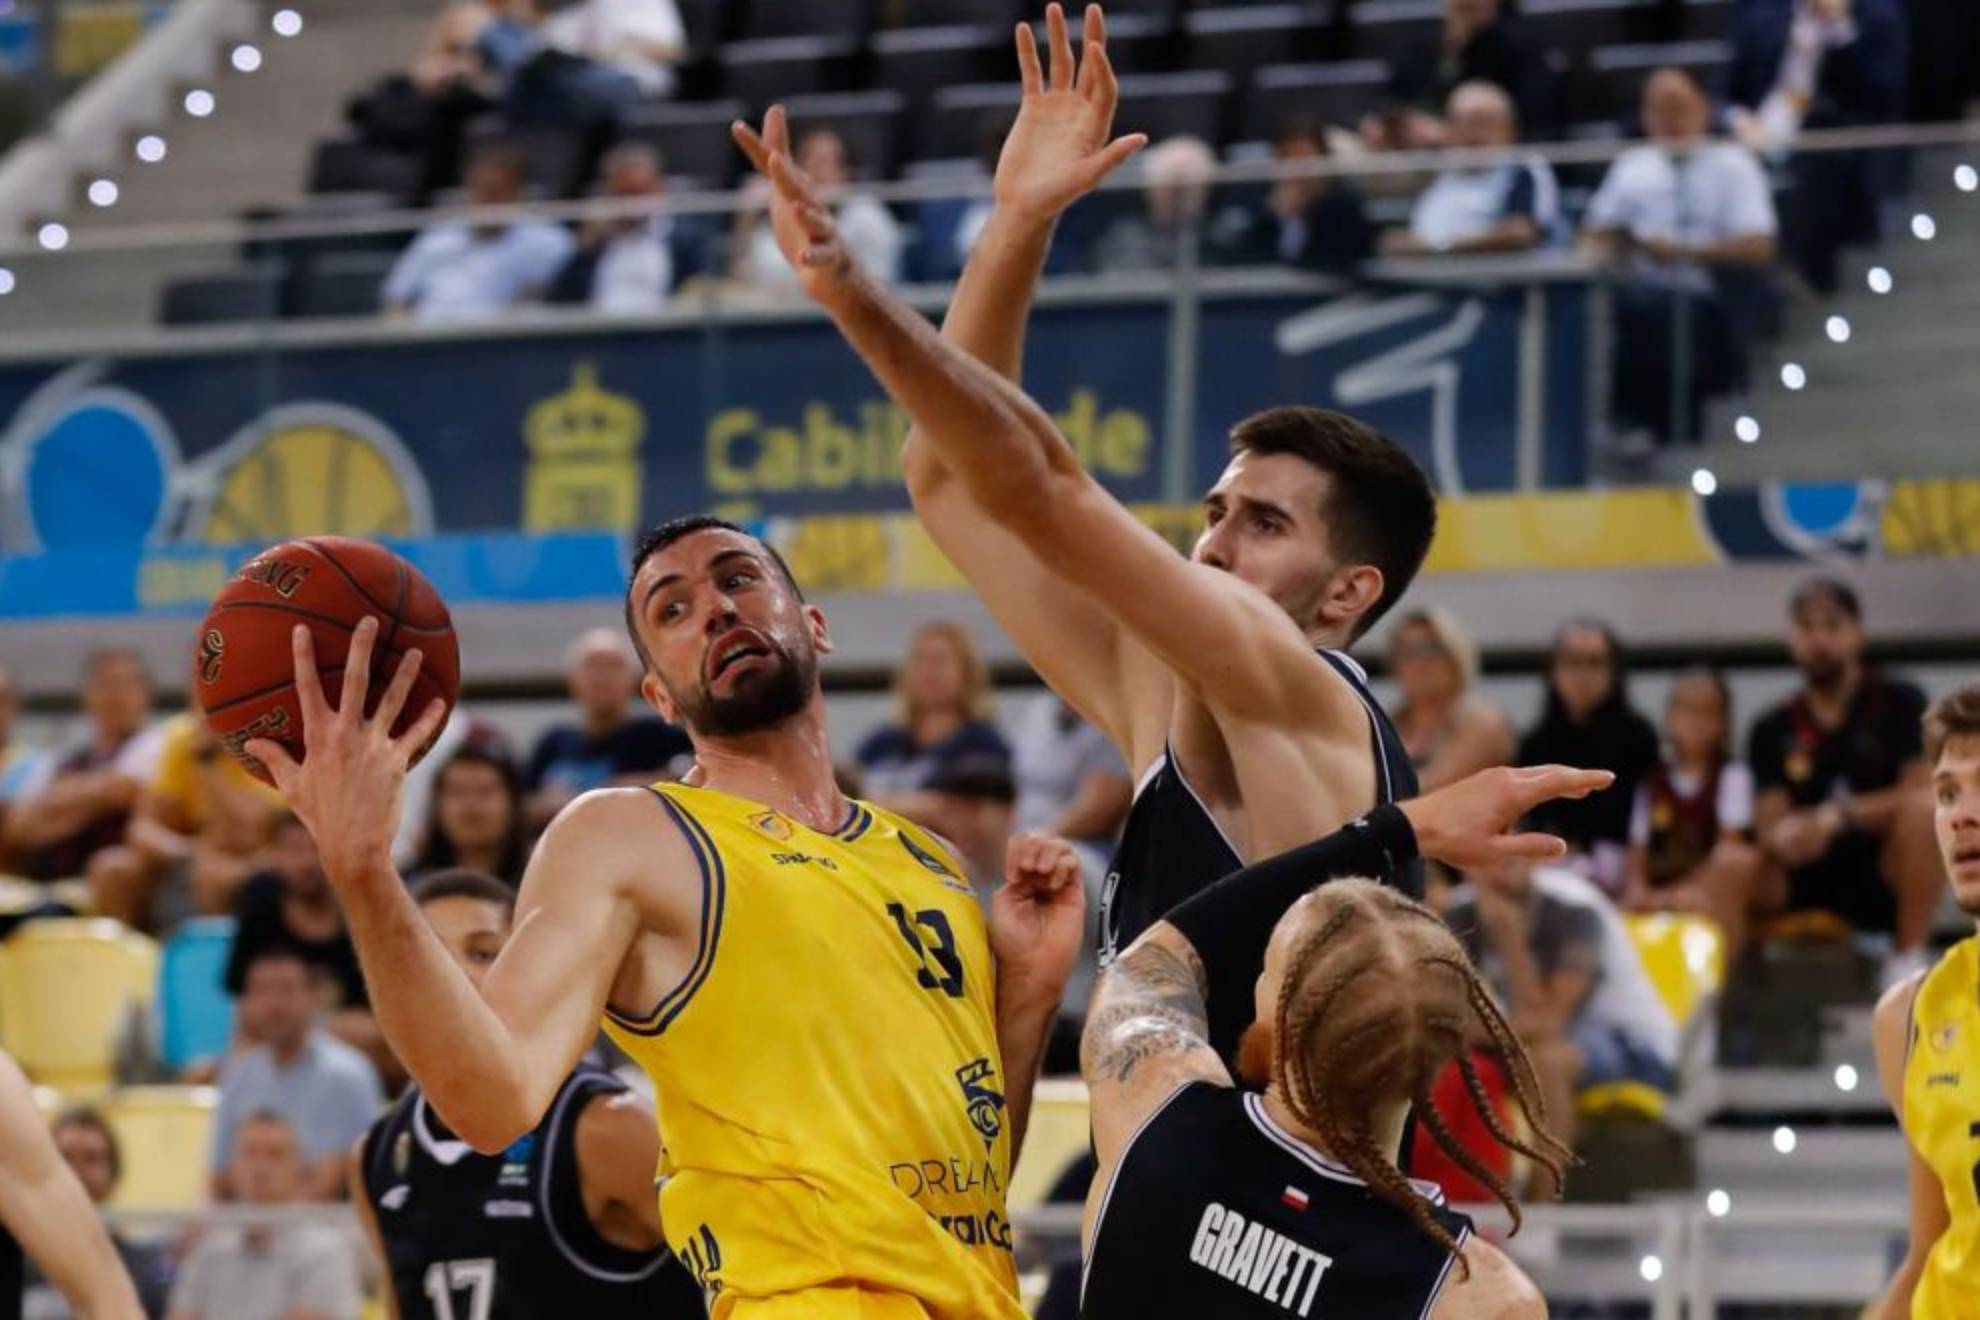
[(1171, 847), (1217, 1213), (502, 1237), (13, 1276)]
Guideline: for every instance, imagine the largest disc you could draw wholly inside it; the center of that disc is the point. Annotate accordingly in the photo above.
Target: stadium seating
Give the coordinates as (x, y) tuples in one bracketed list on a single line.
[(692, 138), (1136, 43), (769, 18), (961, 119), (940, 13), (1167, 104), (250, 294), (69, 990), (1241, 40), (870, 123), (1685, 957), (776, 68), (917, 62), (1389, 29), (345, 284), (166, 1135), (555, 159), (346, 165), (1334, 93), (196, 1016)]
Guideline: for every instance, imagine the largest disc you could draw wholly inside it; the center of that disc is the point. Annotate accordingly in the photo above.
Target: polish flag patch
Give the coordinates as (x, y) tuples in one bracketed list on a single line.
[(1295, 1198)]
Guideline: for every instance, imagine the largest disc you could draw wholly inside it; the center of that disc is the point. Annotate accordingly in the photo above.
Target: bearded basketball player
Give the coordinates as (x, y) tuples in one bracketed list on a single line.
[(1221, 679), (842, 1048)]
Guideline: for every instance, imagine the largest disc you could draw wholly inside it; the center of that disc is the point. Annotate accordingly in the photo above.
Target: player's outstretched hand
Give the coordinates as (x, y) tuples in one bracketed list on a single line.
[(1464, 824), (348, 786), (1038, 917), (800, 217), (1059, 148)]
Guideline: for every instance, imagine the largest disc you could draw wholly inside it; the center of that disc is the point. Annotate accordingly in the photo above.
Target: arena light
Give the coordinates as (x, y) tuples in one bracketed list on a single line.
[(1747, 429), (246, 58), (6, 281), (1651, 1268), (54, 236), (286, 22), (1703, 481), (1717, 1203), (1793, 376), (103, 192), (199, 103), (1837, 328), (1879, 280), (1784, 1139), (1924, 228), (1845, 1077), (150, 149), (1966, 178)]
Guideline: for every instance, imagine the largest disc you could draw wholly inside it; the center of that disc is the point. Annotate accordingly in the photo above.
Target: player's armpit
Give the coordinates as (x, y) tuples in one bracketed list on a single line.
[(618, 1153), (610, 869), (1147, 1032)]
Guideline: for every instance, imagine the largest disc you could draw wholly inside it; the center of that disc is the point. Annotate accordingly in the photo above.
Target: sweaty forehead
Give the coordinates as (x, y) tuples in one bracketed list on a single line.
[(693, 553)]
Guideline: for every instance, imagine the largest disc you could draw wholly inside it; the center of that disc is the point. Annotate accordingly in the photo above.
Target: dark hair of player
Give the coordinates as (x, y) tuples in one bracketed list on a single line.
[(1379, 507)]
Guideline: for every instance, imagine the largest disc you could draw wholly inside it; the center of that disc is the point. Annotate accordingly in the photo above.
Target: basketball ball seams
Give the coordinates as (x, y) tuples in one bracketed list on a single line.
[(399, 607), (284, 607), (326, 671), (351, 577)]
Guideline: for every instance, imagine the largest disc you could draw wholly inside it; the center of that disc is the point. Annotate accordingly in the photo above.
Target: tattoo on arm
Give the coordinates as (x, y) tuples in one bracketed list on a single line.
[(1150, 1004)]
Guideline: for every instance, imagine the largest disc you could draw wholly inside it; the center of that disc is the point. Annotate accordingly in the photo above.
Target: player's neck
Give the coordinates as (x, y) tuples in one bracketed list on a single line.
[(1386, 1130), (1831, 703), (788, 767), (1330, 636)]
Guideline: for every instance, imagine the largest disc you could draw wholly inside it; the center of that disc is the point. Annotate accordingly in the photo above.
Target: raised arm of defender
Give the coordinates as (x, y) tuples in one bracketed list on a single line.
[(1022, 473), (594, 916)]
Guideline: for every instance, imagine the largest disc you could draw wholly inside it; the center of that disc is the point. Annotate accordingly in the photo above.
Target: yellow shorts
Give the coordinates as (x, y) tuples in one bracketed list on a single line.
[(822, 1304)]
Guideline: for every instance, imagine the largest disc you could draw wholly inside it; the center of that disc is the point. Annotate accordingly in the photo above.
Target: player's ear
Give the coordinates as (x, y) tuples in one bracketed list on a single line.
[(1351, 593), (657, 696), (821, 633)]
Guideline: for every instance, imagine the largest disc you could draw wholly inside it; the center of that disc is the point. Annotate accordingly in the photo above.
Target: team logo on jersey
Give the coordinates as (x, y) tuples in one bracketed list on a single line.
[(986, 1105), (1110, 932), (1799, 765), (772, 824), (926, 858), (1945, 1038), (515, 1162), (395, 1197)]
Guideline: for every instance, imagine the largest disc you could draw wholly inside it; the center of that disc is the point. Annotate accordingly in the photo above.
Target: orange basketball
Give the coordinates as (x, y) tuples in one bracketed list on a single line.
[(243, 664)]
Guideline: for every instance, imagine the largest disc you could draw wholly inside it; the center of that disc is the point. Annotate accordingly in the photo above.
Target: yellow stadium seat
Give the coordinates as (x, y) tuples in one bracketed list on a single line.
[(1059, 1132), (166, 1135), (68, 987), (1685, 956)]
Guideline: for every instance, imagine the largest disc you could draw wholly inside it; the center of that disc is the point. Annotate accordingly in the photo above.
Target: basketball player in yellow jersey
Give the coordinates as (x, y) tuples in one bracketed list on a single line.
[(1928, 1051), (843, 1050)]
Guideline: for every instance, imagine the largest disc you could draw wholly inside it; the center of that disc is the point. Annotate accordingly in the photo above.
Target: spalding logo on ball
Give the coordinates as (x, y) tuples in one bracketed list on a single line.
[(244, 666)]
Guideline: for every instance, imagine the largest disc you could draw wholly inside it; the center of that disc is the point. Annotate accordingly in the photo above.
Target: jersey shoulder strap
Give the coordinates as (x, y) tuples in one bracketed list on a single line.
[(560, 1187)]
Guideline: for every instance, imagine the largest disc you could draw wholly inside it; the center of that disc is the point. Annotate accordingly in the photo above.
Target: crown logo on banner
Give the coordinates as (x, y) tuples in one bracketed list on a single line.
[(584, 469)]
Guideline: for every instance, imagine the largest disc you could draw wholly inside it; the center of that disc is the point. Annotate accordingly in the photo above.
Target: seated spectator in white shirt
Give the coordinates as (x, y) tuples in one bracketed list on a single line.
[(1175, 192), (866, 225), (625, 264), (1558, 956), (1692, 217), (326, 1090), (643, 39), (1510, 205), (458, 271), (274, 1271)]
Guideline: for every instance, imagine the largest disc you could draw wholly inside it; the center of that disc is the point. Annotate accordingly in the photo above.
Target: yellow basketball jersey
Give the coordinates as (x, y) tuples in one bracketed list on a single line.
[(1942, 1122), (829, 1087)]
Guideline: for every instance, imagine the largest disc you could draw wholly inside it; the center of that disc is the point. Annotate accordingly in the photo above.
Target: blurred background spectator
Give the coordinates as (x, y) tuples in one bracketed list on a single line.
[(89, 1145), (1505, 206), (16, 753), (1814, 64), (1448, 730), (942, 722), (77, 802), (1175, 194), (1480, 42), (611, 741), (1316, 223), (289, 907), (325, 1092), (1691, 828), (196, 833), (282, 1270), (1588, 721), (626, 265), (640, 39), (866, 225), (1692, 222), (1841, 778), (1573, 985), (476, 818), (460, 270)]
